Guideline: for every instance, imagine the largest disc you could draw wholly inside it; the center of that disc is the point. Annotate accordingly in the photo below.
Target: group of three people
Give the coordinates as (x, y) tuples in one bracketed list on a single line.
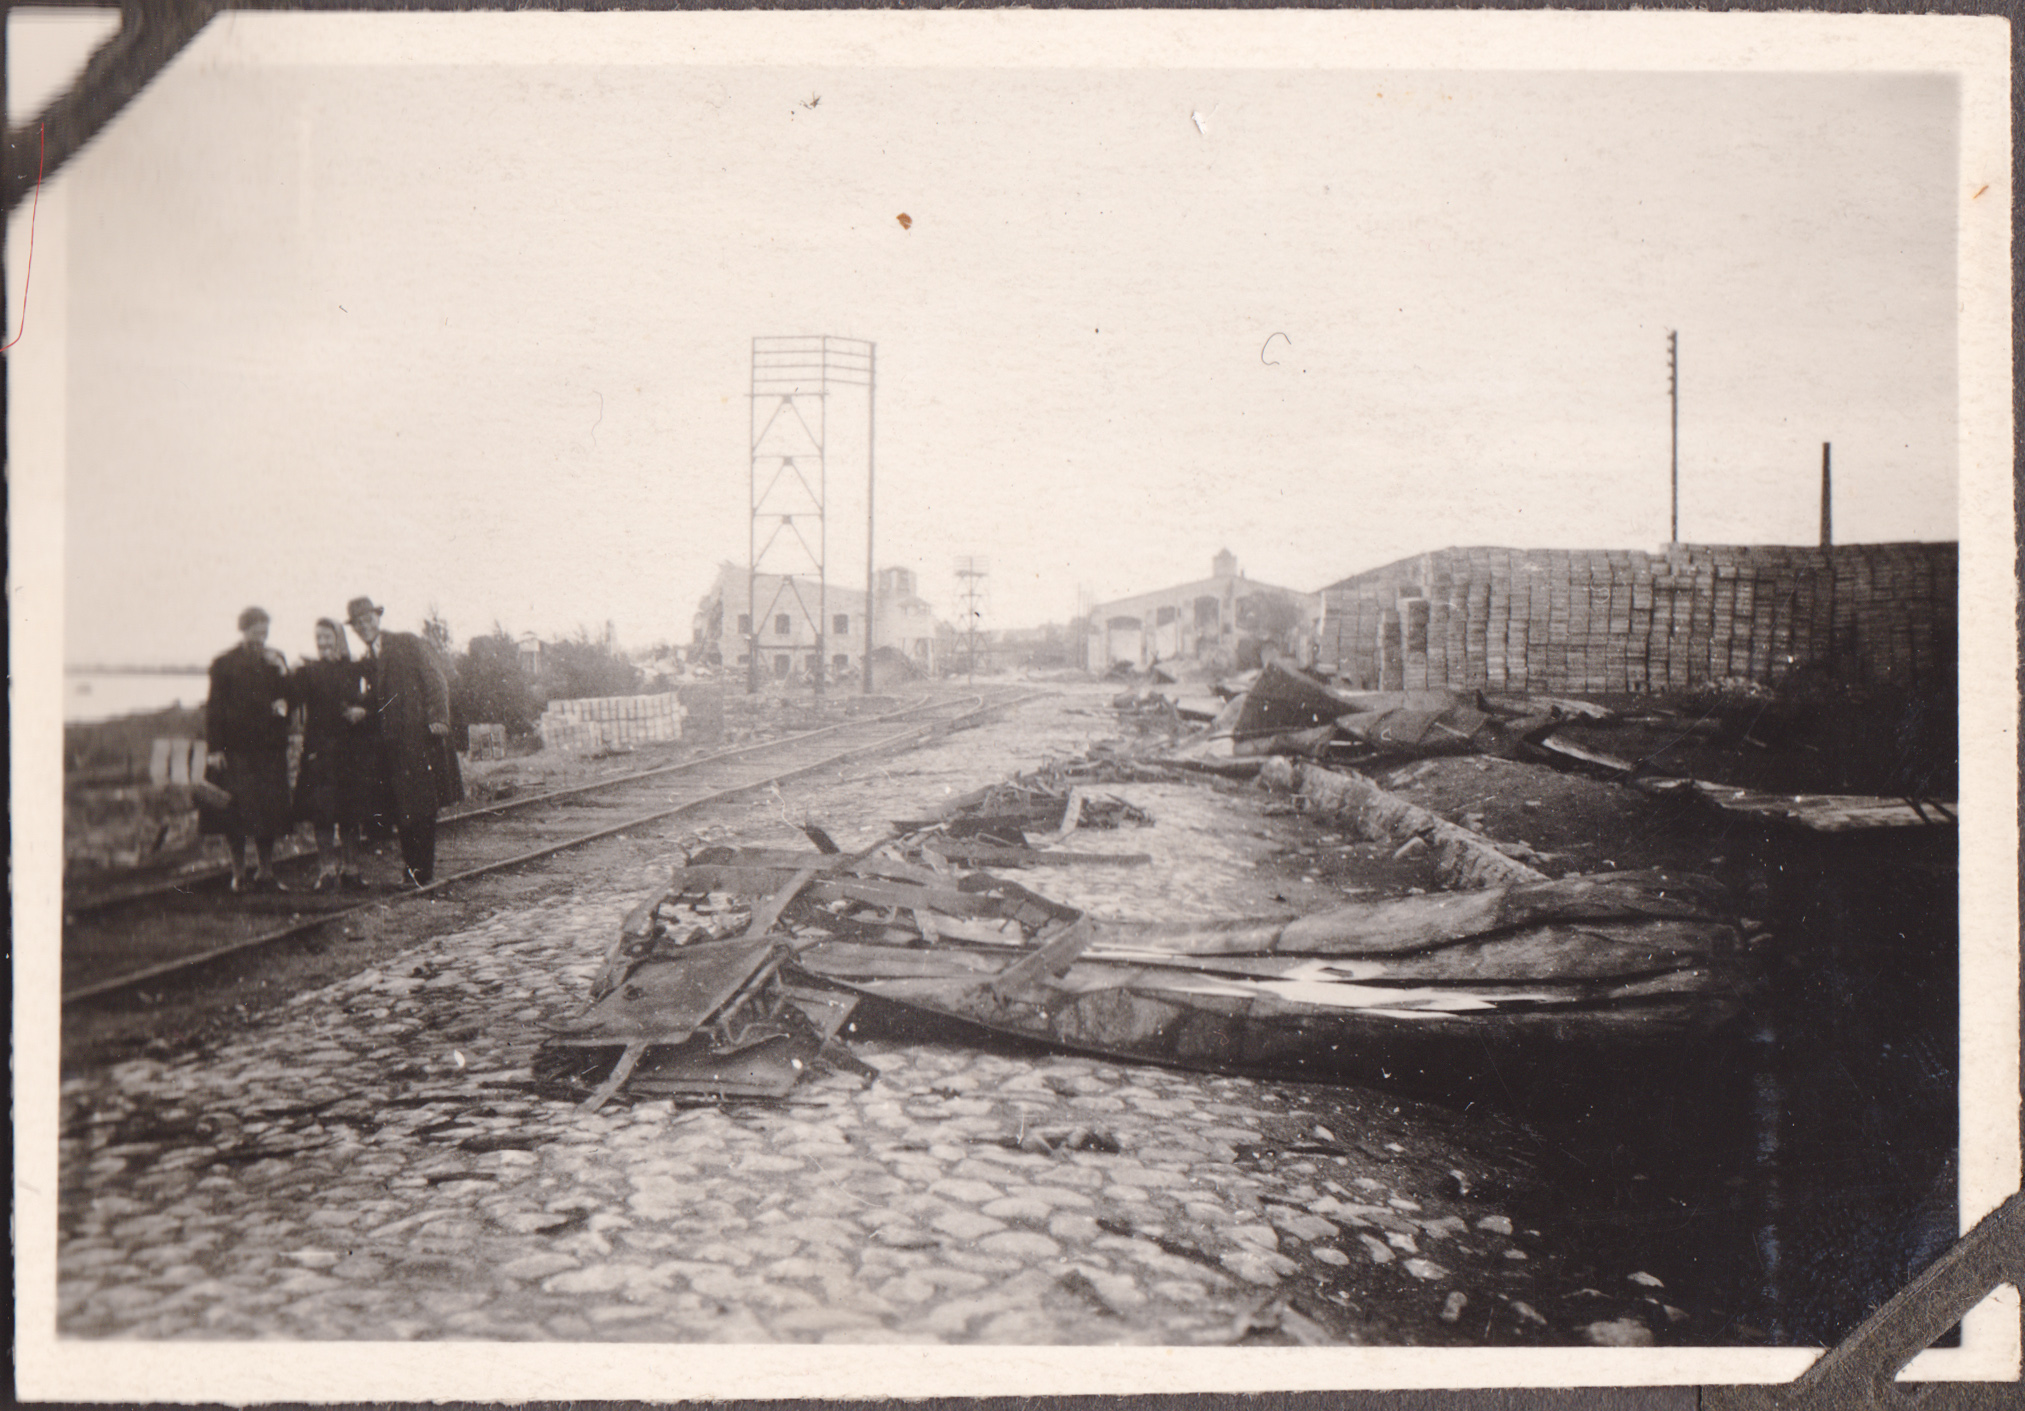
[(375, 748)]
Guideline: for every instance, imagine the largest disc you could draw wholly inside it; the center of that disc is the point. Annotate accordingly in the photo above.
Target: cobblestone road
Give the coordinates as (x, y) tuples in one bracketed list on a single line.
[(372, 1162)]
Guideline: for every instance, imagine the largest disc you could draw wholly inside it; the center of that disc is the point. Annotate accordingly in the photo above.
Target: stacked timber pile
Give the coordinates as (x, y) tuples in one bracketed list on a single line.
[(596, 723), (1623, 621)]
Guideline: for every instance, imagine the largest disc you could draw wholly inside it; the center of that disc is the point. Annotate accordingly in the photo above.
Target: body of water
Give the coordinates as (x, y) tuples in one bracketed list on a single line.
[(104, 695)]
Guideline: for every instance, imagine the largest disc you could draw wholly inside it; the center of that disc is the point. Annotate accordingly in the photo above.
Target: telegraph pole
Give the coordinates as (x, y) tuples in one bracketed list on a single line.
[(1827, 503), (1673, 395), (871, 427)]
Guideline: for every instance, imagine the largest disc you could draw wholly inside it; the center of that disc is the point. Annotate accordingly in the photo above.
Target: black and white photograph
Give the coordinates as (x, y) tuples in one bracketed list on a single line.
[(1015, 702)]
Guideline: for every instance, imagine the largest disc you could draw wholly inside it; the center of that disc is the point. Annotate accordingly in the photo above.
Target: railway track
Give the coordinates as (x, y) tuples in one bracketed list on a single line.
[(153, 934)]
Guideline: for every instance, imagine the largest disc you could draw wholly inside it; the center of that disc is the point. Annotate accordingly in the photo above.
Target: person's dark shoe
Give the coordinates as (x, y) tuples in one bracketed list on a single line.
[(351, 882), (267, 882), (239, 887), (411, 879), (325, 882)]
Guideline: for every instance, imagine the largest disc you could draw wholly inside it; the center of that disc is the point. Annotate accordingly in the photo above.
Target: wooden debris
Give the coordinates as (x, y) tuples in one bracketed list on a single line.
[(1820, 813), (986, 855), (622, 1070), (1568, 749), (734, 979), (1462, 858)]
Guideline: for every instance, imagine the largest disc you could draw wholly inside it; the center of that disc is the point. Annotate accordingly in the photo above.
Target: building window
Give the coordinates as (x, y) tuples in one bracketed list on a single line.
[(783, 625), (781, 665), (1163, 616), (745, 658), (842, 659), (745, 624), (841, 623)]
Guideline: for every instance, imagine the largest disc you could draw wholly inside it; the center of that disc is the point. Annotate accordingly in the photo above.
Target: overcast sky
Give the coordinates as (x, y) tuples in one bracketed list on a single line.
[(477, 337)]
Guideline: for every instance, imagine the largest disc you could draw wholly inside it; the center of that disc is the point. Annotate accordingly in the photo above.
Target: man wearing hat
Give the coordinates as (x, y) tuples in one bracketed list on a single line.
[(246, 734), (409, 692)]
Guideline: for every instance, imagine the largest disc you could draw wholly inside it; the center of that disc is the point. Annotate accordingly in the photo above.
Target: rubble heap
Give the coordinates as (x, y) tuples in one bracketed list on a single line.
[(736, 979)]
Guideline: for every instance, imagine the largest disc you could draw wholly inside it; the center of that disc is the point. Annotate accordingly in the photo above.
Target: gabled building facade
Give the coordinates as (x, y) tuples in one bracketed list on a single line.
[(1206, 618), (801, 627)]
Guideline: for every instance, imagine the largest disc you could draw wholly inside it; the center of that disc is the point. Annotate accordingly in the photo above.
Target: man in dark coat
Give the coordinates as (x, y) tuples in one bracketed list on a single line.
[(409, 692), (246, 738)]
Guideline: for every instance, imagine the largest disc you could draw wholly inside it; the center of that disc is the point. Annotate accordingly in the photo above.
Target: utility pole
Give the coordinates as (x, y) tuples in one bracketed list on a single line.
[(1673, 395), (871, 427), (1827, 503)]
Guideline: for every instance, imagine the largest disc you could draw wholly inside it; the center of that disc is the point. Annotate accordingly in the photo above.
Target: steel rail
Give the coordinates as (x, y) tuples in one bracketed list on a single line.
[(182, 881), (978, 706), (507, 805)]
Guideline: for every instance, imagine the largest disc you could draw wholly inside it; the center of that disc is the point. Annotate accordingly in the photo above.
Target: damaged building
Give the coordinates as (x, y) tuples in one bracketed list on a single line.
[(805, 626), (1222, 618)]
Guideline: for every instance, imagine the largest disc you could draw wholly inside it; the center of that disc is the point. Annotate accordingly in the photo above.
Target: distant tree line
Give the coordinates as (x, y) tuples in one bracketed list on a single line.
[(490, 685)]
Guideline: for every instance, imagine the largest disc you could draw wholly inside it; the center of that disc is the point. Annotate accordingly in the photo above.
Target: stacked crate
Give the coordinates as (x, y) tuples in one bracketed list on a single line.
[(1606, 622)]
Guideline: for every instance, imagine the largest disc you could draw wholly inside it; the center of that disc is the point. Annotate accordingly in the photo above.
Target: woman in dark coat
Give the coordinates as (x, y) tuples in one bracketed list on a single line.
[(334, 786), (246, 737)]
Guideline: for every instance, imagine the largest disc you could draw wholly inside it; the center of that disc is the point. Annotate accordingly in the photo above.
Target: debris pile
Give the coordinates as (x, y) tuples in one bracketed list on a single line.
[(693, 992), (1463, 857), (735, 980), (1006, 824), (738, 978), (1280, 711)]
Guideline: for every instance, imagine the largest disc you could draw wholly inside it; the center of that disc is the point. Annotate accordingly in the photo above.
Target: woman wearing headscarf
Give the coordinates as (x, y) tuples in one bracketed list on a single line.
[(334, 785), (246, 734)]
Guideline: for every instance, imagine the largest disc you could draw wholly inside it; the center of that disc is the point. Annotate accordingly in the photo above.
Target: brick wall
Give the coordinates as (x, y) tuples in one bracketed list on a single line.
[(1602, 621)]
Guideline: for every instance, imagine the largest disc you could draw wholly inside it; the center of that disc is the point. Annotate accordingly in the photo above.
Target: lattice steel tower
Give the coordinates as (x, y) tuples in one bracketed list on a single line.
[(973, 569), (789, 423)]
